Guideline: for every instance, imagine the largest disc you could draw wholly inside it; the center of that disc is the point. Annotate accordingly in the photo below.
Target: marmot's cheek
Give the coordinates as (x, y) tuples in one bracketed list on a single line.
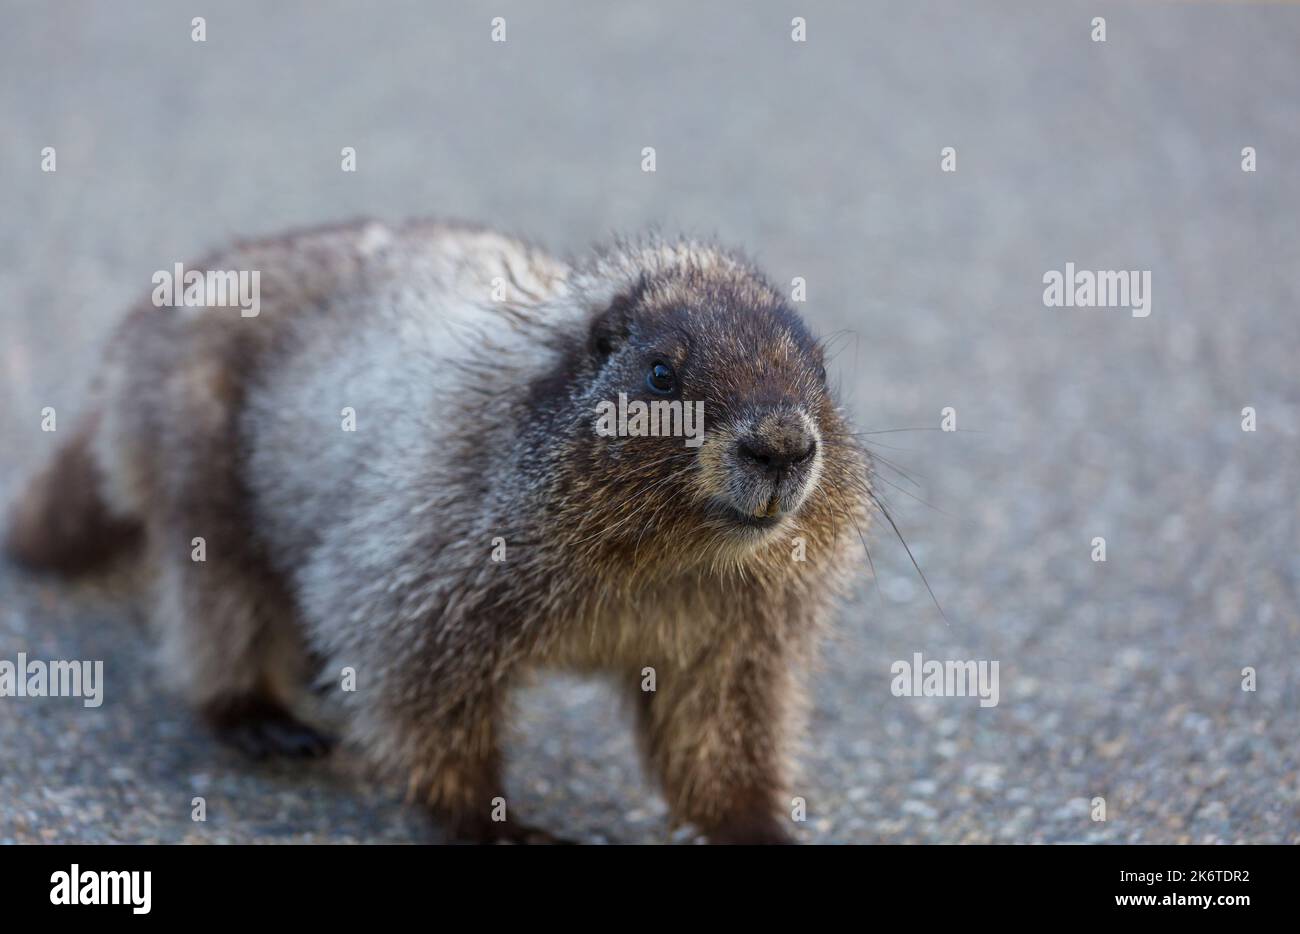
[(715, 464)]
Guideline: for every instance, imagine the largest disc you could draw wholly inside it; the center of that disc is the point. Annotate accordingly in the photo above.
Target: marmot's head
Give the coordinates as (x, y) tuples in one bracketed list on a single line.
[(704, 427)]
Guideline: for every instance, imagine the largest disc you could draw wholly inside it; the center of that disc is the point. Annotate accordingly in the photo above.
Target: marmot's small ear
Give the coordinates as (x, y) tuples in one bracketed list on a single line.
[(611, 327)]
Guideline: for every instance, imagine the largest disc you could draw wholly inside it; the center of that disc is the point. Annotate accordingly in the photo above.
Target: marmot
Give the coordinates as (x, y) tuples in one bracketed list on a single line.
[(470, 525)]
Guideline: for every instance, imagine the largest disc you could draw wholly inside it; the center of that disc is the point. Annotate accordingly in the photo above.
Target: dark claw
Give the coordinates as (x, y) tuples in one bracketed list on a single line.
[(260, 729), (752, 831), (524, 835), (509, 833)]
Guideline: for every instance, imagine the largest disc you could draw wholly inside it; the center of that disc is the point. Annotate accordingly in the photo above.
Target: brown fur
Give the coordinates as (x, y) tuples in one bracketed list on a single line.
[(474, 425), (62, 524)]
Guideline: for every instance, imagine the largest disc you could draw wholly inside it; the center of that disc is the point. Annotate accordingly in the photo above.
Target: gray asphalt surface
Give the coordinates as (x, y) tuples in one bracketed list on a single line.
[(1119, 679)]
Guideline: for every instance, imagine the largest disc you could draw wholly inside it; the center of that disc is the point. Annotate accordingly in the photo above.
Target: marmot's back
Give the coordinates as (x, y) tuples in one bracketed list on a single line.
[(386, 378)]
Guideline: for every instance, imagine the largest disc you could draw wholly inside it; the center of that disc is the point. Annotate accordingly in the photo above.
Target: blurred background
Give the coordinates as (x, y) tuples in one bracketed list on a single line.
[(821, 159)]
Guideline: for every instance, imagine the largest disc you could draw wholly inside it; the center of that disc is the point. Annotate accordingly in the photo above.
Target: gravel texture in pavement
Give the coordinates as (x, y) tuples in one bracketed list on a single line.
[(1120, 679)]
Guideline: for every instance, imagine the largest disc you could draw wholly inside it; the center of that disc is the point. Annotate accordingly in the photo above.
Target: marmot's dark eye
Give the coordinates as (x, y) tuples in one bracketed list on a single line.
[(660, 379)]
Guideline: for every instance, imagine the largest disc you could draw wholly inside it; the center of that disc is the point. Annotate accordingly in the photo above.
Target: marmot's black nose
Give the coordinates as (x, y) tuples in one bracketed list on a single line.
[(776, 451)]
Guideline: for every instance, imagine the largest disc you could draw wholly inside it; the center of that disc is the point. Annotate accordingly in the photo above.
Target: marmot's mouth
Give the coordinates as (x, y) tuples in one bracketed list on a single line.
[(734, 515)]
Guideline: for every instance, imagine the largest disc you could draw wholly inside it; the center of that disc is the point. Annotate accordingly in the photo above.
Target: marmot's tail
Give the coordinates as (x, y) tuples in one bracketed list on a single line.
[(61, 523)]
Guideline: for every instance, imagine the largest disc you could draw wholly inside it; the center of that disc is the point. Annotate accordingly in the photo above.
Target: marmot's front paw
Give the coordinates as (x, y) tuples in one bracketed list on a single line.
[(507, 832), (751, 831), (261, 728), (527, 835)]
